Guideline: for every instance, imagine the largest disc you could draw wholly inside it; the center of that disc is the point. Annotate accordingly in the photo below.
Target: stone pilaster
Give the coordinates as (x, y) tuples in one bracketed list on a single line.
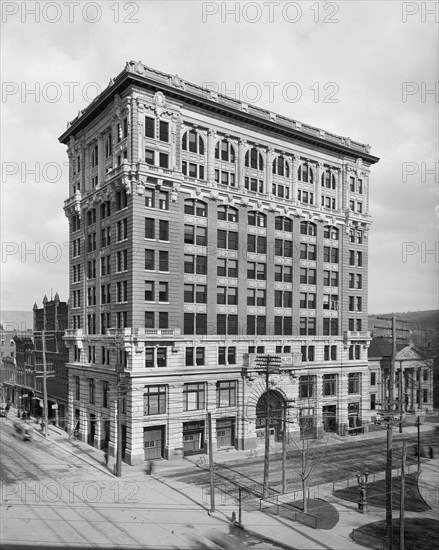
[(269, 156), (211, 136), (294, 178), (241, 163), (318, 184)]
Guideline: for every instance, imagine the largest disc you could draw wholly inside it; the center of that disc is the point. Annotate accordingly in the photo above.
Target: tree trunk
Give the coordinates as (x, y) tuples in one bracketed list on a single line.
[(305, 499)]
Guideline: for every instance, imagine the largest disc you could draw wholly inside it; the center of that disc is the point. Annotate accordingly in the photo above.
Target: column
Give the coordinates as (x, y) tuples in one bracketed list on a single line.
[(174, 450), (134, 453), (211, 135), (318, 185), (241, 163), (294, 178), (101, 160), (339, 180), (269, 156)]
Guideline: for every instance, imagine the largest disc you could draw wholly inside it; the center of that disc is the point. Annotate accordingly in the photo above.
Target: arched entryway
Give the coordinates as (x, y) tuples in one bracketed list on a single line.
[(276, 404)]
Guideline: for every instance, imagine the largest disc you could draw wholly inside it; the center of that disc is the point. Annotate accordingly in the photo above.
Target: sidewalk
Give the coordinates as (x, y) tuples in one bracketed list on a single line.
[(291, 535)]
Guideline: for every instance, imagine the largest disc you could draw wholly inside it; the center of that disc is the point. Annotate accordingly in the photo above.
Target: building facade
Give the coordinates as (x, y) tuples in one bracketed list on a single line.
[(22, 376), (416, 391), (204, 234)]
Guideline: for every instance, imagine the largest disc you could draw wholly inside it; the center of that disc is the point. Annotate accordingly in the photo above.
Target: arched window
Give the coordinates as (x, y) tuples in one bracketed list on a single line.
[(224, 150), (305, 173), (328, 179), (253, 159), (283, 224), (195, 207), (257, 218), (281, 167), (308, 228), (193, 142), (227, 213), (330, 232)]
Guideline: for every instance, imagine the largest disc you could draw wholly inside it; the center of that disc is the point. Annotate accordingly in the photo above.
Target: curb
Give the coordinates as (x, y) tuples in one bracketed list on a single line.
[(80, 455)]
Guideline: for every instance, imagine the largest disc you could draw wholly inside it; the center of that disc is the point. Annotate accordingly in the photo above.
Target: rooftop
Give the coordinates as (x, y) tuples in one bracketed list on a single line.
[(211, 101)]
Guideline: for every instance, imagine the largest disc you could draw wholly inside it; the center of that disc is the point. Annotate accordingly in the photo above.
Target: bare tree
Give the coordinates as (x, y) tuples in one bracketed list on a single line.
[(311, 452)]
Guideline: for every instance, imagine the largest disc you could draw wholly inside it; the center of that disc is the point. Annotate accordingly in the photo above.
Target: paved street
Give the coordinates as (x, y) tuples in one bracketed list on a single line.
[(333, 462), (51, 497)]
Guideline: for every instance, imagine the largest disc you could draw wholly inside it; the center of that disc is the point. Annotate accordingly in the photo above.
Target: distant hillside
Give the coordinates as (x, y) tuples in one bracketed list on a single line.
[(417, 320), (16, 320)]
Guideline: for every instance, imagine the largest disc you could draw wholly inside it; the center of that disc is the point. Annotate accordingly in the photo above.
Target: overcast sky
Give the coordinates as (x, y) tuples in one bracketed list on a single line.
[(366, 70)]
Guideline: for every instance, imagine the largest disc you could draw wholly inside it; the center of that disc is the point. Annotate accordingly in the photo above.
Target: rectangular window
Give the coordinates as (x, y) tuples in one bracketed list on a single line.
[(163, 319), (163, 292), (226, 393), (161, 357), (77, 388), (149, 127), (154, 400), (149, 198), (306, 387), (354, 382), (189, 357), (150, 157), (149, 228), (373, 378), (164, 197), (329, 385), (163, 260), (164, 131), (91, 389), (149, 260), (149, 319), (149, 291), (163, 230), (193, 397)]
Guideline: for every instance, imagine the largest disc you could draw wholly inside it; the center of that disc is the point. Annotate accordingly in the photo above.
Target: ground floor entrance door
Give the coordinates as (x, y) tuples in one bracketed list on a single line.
[(330, 418), (193, 437), (225, 432), (91, 429), (153, 439)]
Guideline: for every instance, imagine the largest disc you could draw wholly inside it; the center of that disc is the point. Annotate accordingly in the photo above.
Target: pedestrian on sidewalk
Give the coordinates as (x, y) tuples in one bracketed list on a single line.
[(106, 457), (42, 425), (149, 468)]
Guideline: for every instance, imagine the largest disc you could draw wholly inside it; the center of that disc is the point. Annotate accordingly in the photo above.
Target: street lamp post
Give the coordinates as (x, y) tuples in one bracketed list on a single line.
[(362, 484)]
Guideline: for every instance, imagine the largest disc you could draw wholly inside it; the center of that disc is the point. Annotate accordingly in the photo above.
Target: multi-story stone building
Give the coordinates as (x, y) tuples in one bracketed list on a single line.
[(205, 232), (52, 318), (22, 376)]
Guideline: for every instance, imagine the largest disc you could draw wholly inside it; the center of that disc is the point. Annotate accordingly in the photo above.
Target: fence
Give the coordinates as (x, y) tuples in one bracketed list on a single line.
[(278, 503), (360, 537), (345, 484)]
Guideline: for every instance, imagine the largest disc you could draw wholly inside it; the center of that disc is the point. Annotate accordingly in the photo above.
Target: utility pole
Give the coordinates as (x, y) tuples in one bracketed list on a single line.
[(119, 400), (45, 375), (268, 364), (211, 465), (284, 449), (418, 425), (401, 507), (401, 399), (388, 415), (46, 411)]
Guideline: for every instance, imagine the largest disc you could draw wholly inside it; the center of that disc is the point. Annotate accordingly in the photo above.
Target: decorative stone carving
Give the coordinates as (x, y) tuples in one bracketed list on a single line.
[(127, 185), (175, 191), (159, 102), (177, 82)]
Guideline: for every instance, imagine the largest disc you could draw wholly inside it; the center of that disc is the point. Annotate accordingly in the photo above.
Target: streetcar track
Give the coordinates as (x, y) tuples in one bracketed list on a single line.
[(110, 526)]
